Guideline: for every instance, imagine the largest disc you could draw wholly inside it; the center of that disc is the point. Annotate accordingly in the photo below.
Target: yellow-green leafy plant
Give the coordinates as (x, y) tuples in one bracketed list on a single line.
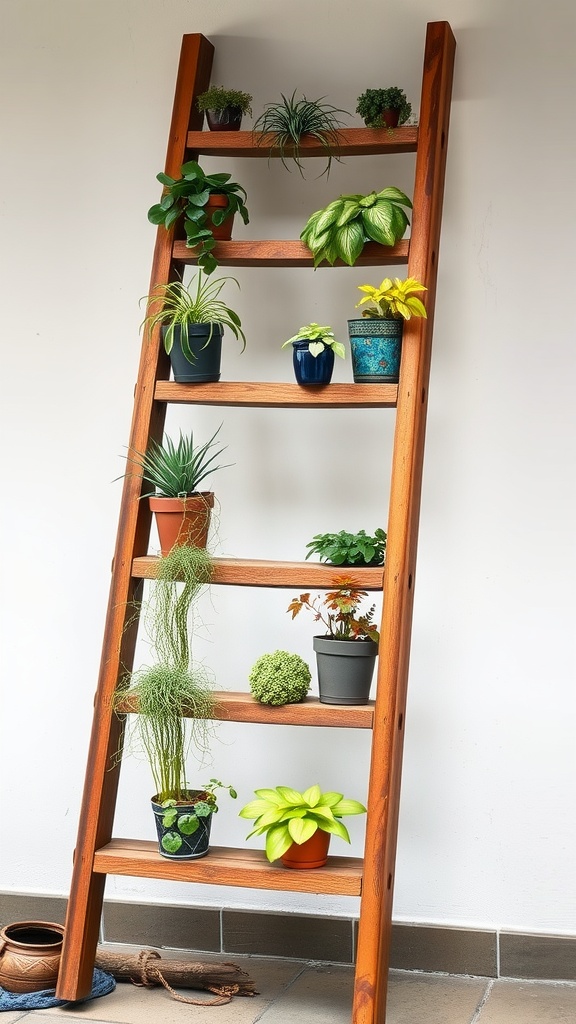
[(393, 300), (319, 338), (341, 229), (286, 816)]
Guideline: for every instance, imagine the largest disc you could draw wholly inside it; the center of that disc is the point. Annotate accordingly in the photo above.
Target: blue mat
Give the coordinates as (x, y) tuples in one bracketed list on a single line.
[(102, 984)]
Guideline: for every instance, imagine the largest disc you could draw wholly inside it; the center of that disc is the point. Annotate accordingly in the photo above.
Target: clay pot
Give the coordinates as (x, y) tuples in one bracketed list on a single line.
[(30, 955), (221, 232), (183, 521), (311, 854), (390, 117)]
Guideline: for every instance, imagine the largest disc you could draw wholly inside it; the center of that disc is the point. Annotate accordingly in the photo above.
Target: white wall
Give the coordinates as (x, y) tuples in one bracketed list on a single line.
[(487, 832)]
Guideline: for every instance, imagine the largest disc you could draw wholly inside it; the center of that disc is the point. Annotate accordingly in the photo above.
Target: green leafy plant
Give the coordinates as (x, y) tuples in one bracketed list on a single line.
[(319, 338), (373, 101), (187, 197), (218, 98), (393, 300), (286, 816), (174, 686), (280, 678), (283, 125), (339, 611), (349, 548), (341, 229), (180, 822), (176, 470), (175, 306)]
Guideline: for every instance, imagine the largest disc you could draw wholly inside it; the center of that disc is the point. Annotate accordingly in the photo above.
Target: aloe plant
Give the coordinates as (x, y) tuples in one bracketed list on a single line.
[(176, 469), (341, 229)]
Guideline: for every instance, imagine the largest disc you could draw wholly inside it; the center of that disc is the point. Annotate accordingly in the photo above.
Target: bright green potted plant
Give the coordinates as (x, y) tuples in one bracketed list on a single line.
[(284, 124), (345, 548), (341, 229), (279, 678), (207, 202), (346, 654), (297, 825), (313, 351), (384, 108), (193, 318), (224, 107), (175, 471), (183, 826), (376, 337)]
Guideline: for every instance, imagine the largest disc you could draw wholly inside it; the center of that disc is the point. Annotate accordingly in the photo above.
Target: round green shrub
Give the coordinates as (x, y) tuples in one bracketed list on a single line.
[(280, 678)]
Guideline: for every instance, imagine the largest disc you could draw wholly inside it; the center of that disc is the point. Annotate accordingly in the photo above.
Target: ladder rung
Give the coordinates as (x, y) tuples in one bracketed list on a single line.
[(290, 253), (252, 572), (351, 142), (282, 396)]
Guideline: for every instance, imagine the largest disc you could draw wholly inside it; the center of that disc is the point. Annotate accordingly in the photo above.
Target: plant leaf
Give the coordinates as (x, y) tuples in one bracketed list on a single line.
[(278, 841), (349, 242), (378, 223), (301, 829), (188, 824), (312, 795)]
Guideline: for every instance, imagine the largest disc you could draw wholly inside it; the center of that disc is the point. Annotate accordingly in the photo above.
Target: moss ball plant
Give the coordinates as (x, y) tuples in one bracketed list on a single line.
[(280, 678)]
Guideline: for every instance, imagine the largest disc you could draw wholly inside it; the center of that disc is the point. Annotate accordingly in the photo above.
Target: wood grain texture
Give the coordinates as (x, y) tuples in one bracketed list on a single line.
[(278, 395), (351, 142), (342, 876), (291, 253), (241, 707), (253, 572)]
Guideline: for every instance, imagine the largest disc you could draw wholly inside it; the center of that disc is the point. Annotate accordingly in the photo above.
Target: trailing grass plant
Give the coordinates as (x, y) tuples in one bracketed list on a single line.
[(283, 125)]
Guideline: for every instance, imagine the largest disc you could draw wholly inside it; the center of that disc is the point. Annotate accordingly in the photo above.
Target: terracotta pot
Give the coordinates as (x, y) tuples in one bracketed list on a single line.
[(30, 955), (311, 854), (222, 232), (391, 116), (183, 521)]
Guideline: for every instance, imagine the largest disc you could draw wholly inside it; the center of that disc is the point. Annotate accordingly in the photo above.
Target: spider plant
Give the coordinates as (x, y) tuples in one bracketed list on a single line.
[(176, 305), (282, 126), (177, 469)]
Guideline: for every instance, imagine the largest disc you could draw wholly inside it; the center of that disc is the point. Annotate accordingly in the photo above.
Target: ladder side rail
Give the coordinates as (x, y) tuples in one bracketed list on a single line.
[(406, 480), (102, 775)]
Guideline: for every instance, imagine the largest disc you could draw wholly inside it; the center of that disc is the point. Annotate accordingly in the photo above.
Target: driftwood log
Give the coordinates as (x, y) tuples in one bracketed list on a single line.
[(148, 968)]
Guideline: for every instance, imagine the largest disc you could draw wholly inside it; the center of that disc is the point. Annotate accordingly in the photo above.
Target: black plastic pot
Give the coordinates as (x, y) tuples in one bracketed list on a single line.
[(206, 349), (175, 840), (345, 669), (228, 119)]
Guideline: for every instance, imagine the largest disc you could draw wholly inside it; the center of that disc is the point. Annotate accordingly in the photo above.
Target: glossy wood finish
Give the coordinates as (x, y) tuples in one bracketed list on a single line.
[(253, 572), (241, 707), (291, 253), (342, 876), (351, 142), (399, 577), (281, 396)]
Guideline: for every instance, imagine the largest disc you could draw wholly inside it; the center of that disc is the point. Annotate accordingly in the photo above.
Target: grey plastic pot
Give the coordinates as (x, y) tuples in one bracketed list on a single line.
[(345, 669)]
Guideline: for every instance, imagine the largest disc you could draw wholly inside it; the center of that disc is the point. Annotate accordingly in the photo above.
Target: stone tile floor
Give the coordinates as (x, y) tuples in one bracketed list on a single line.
[(294, 992)]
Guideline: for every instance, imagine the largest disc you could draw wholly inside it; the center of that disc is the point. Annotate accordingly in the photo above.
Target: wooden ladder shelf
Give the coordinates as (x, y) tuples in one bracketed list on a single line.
[(97, 852)]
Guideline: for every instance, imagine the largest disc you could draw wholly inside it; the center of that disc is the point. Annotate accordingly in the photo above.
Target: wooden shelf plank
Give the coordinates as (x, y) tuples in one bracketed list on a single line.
[(252, 572), (241, 707), (278, 395), (342, 876), (351, 142), (290, 253)]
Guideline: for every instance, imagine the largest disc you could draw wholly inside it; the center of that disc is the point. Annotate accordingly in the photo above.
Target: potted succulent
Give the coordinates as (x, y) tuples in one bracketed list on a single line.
[(224, 107), (384, 108), (346, 654), (283, 125), (376, 338), (297, 825), (313, 351), (183, 825), (279, 678), (175, 471), (345, 548), (193, 318), (207, 202), (341, 229)]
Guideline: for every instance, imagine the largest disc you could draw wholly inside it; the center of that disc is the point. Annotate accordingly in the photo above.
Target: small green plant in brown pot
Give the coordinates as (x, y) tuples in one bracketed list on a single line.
[(384, 108)]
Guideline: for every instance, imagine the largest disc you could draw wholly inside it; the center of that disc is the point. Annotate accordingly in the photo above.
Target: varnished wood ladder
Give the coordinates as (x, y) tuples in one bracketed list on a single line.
[(97, 852)]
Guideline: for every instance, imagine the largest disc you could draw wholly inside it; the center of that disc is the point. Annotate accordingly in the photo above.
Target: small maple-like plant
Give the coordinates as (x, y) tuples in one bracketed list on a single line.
[(339, 611)]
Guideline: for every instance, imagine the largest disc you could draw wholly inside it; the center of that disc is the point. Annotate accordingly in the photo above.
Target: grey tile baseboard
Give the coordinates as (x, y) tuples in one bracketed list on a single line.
[(415, 947)]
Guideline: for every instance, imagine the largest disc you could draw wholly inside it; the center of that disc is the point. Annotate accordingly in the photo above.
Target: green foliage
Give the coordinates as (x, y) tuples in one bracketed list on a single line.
[(341, 229), (339, 611), (286, 816), (393, 300), (280, 678), (349, 548), (175, 470), (372, 102), (283, 125), (187, 197), (218, 98), (176, 305), (319, 338)]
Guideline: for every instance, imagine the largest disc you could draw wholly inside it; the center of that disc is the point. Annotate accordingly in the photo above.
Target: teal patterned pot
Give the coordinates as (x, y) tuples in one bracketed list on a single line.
[(375, 346)]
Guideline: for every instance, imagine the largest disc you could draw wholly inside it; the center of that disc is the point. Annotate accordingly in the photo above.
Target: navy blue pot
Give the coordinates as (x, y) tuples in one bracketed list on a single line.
[(375, 347), (311, 369)]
